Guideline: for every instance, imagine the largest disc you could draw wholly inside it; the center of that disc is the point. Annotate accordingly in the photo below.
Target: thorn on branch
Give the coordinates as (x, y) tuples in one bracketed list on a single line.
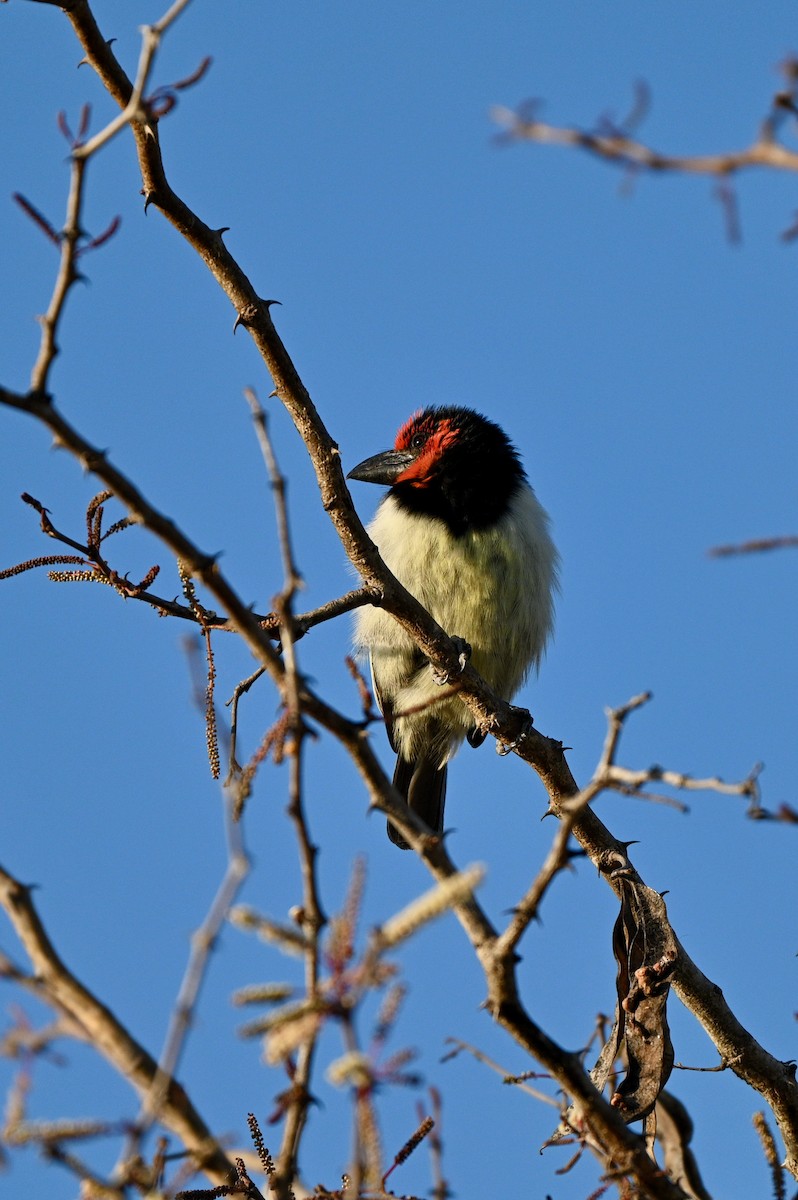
[(251, 311), (86, 61), (245, 317)]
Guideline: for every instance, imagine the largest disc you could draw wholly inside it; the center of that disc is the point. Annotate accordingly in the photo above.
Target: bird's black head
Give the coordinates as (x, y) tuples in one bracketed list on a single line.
[(449, 463)]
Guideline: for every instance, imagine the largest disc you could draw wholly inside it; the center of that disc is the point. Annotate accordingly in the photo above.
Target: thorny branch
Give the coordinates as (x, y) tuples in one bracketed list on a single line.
[(503, 999), (774, 1079), (608, 776)]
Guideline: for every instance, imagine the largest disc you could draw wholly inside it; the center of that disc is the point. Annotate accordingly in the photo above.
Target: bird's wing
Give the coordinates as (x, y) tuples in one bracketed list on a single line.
[(384, 698), (383, 703)]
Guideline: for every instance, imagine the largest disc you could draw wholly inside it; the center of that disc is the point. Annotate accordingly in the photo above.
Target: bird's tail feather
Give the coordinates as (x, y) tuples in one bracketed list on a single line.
[(423, 785)]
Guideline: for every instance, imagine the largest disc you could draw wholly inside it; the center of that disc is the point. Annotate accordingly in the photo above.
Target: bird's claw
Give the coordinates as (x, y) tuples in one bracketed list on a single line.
[(463, 654), (476, 736), (527, 724)]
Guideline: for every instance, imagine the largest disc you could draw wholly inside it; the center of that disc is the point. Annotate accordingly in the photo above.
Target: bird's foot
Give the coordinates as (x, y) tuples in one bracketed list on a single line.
[(526, 724), (476, 736), (463, 654)]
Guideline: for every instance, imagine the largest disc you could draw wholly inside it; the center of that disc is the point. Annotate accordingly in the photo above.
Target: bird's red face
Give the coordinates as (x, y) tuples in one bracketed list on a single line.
[(427, 437), (417, 455), (451, 464)]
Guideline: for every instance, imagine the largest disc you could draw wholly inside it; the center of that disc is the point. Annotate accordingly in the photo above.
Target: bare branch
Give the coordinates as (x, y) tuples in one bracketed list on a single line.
[(203, 942), (506, 1076), (755, 546), (293, 580), (101, 1028), (615, 144), (312, 915), (509, 725), (625, 151)]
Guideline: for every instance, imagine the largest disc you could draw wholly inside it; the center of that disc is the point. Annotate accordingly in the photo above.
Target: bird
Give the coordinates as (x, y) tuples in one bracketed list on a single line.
[(462, 529)]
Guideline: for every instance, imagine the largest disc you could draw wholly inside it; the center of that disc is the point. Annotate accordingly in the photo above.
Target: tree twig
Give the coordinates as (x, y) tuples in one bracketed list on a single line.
[(103, 1031), (753, 1063)]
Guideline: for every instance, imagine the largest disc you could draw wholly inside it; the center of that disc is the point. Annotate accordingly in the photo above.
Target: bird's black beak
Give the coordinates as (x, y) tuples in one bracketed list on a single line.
[(383, 468)]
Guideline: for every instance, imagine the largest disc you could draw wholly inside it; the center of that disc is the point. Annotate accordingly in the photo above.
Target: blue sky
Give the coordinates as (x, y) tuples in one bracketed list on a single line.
[(643, 365)]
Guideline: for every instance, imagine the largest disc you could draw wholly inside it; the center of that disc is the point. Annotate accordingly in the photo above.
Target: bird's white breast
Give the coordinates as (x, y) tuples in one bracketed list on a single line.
[(494, 587)]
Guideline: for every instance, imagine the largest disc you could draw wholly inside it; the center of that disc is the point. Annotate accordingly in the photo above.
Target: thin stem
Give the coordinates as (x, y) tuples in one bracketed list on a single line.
[(68, 276), (104, 1032), (203, 942)]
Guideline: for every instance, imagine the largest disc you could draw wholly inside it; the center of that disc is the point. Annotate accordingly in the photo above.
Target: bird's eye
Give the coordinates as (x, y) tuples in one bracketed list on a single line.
[(417, 441)]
